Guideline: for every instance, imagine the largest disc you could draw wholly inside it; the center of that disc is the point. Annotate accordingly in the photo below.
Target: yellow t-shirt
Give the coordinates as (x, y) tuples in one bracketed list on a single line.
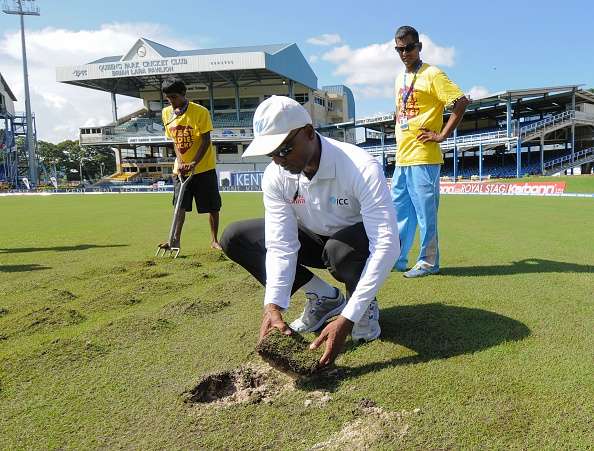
[(186, 131), (432, 92)]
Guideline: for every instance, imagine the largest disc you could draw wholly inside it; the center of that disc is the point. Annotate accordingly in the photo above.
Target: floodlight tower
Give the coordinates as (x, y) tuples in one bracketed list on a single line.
[(26, 8)]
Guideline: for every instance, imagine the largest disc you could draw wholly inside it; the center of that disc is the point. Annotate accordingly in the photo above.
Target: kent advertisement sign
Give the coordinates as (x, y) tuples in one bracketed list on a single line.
[(504, 189), (246, 179)]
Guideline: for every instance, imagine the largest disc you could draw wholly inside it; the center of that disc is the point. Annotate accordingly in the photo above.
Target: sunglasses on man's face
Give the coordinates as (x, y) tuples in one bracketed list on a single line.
[(407, 48), (286, 148)]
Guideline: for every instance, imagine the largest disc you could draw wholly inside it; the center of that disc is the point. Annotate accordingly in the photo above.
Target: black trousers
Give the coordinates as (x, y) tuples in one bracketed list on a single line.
[(344, 254)]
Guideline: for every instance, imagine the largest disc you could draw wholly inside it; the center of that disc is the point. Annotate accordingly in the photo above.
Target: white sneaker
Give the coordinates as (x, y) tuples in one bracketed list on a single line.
[(317, 311), (368, 328)]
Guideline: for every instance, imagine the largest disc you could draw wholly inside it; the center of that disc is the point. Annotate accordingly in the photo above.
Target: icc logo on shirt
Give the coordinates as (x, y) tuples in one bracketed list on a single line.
[(339, 201)]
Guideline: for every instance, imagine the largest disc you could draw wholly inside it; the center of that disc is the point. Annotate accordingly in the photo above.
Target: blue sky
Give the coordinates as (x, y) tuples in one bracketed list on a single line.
[(484, 46)]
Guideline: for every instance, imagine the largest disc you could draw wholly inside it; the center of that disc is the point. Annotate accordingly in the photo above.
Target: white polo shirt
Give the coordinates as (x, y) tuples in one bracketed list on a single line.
[(349, 187)]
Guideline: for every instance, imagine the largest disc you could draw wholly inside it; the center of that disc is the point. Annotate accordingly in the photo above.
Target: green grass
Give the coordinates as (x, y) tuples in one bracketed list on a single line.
[(99, 341), (574, 183)]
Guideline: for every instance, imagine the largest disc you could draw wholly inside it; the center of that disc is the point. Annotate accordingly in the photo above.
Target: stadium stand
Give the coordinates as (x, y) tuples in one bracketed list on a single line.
[(230, 82)]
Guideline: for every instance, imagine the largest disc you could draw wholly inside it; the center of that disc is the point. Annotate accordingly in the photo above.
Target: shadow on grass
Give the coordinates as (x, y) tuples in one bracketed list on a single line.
[(527, 266), (433, 331), (78, 247), (22, 268)]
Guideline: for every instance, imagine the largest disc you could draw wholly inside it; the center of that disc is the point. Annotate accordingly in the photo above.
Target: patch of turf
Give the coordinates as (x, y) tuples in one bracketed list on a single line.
[(195, 306), (44, 319), (133, 329), (289, 353), (61, 296)]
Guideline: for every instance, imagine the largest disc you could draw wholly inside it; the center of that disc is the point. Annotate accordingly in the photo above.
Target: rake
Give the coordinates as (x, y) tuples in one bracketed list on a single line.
[(163, 249)]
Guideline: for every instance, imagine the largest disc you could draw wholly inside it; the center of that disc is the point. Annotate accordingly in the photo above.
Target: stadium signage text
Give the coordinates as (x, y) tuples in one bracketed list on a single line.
[(252, 179), (128, 68), (519, 189), (376, 119)]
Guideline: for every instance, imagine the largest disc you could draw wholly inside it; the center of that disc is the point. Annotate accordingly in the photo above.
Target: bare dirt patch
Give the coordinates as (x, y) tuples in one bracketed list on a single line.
[(374, 426), (245, 385)]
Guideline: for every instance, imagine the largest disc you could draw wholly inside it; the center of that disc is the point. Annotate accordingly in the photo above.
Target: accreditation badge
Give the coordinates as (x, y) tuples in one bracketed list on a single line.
[(403, 122)]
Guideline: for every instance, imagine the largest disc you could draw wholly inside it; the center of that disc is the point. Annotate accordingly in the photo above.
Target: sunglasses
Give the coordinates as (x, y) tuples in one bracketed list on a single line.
[(407, 48), (285, 149)]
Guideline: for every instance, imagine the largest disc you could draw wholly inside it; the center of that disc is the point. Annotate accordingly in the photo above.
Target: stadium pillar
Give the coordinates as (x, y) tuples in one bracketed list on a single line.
[(161, 93), (383, 140), (481, 161), (291, 87), (237, 101), (573, 127), (542, 154), (114, 107), (509, 117), (518, 158), (211, 99), (455, 154)]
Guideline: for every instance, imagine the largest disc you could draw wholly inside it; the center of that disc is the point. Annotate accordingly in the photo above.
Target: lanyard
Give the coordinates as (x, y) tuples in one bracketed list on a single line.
[(412, 85), (176, 114)]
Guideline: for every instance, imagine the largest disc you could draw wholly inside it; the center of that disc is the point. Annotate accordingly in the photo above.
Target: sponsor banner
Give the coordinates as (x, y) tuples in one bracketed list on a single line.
[(246, 179), (507, 189), (221, 134)]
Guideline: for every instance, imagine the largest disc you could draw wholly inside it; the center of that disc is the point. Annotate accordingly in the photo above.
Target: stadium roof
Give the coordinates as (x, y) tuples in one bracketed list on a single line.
[(7, 88), (148, 62), (518, 94), (531, 101)]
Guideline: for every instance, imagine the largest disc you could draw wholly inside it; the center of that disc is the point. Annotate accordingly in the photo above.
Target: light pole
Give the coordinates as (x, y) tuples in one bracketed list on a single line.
[(26, 8)]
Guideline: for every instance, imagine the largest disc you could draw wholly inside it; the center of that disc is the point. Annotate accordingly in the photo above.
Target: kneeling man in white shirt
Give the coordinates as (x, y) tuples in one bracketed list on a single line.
[(327, 205)]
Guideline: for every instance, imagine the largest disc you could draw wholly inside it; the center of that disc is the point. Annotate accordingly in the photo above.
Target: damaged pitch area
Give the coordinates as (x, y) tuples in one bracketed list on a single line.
[(246, 385)]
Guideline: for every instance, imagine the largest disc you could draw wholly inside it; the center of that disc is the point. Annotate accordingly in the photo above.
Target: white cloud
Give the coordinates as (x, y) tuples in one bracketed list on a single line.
[(477, 92), (370, 71), (314, 59), (61, 109), (325, 39)]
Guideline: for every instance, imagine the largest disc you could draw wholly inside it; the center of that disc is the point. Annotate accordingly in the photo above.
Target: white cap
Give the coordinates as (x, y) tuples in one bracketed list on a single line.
[(274, 119)]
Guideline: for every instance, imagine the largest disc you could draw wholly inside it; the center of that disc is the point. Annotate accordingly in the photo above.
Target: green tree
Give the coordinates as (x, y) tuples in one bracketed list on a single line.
[(93, 161)]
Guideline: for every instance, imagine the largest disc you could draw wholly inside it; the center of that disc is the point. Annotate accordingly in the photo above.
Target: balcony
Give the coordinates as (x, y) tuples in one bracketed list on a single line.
[(150, 130)]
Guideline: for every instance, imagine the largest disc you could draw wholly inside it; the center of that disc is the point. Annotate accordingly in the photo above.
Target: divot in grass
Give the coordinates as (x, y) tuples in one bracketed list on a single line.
[(375, 427), (245, 385)]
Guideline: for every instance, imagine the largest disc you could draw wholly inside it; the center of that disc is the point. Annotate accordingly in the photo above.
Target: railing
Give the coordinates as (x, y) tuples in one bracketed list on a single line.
[(548, 122), (476, 139), (567, 158), (149, 160)]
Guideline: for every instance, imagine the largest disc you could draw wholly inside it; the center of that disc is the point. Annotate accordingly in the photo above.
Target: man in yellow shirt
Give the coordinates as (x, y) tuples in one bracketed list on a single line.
[(189, 125), (422, 93)]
